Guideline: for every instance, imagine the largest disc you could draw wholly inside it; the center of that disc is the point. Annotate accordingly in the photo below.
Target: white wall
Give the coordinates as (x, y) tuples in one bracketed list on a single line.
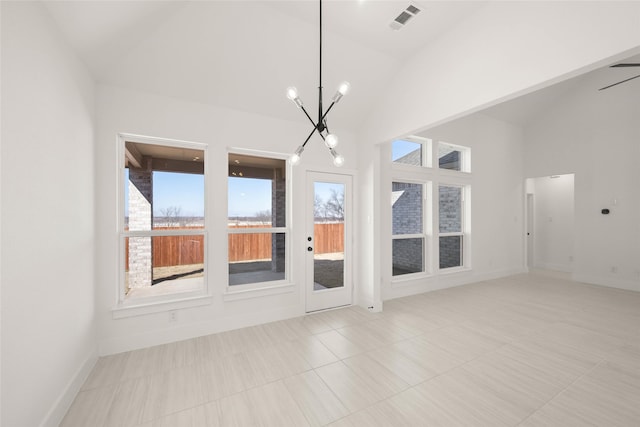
[(497, 191), (553, 222), (122, 110), (505, 50), (48, 325), (595, 134)]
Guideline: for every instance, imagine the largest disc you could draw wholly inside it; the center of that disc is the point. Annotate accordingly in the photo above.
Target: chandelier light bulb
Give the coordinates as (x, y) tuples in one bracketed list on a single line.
[(338, 160), (292, 93), (331, 140), (344, 88), (295, 157)]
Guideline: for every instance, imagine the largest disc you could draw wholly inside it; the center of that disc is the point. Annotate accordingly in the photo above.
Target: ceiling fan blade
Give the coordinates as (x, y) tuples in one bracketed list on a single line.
[(629, 64), (620, 82)]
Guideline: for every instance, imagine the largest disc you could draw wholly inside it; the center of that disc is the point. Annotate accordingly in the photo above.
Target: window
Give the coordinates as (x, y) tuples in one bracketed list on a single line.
[(453, 157), (257, 220), (408, 251), (412, 151), (430, 208), (163, 226), (451, 226)]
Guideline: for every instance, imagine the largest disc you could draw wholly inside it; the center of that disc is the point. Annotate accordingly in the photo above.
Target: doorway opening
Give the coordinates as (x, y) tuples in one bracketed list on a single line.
[(550, 210)]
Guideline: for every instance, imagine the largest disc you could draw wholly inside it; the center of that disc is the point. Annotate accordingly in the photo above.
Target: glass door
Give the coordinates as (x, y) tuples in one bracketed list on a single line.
[(328, 241)]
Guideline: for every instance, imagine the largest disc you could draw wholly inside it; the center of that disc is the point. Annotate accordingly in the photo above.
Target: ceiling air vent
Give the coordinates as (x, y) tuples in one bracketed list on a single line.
[(404, 17)]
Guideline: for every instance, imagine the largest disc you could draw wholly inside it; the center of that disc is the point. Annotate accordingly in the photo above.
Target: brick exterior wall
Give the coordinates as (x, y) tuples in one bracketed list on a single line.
[(140, 218), (407, 219), (279, 219), (450, 207)]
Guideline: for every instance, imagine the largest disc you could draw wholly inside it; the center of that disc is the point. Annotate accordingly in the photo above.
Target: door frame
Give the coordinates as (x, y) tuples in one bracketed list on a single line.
[(337, 297)]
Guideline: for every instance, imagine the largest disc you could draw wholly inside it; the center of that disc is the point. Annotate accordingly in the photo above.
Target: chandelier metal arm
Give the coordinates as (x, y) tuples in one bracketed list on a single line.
[(309, 117), (309, 137), (327, 112)]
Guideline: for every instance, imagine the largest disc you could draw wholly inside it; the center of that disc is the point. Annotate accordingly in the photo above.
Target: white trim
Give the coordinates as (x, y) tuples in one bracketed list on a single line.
[(610, 282), (142, 306), (426, 153), (122, 305), (444, 281), (264, 290), (465, 157), (344, 295), (121, 343), (60, 407), (257, 289)]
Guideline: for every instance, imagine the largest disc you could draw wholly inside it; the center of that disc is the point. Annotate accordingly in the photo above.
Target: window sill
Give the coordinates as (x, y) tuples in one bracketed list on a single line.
[(454, 270), (131, 309), (240, 294), (400, 280), (410, 279)]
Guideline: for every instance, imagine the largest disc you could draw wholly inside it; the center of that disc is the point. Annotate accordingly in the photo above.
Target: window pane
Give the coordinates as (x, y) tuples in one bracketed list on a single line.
[(407, 208), (449, 158), (408, 256), (407, 152), (163, 187), (450, 209), (256, 258), (256, 192), (178, 200), (328, 235), (163, 264), (450, 251)]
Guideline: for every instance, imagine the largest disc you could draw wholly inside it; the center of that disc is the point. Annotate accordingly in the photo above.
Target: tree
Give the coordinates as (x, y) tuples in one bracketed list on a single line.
[(335, 205), (172, 215), (263, 216), (319, 210)]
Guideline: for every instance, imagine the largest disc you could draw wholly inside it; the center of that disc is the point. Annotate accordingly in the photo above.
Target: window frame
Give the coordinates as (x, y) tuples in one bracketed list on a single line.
[(233, 292), (432, 176), (464, 190), (426, 153), (426, 229), (125, 307), (465, 157)]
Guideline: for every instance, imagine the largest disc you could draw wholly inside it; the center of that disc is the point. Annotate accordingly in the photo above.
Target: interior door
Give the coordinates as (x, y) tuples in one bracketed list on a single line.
[(328, 241)]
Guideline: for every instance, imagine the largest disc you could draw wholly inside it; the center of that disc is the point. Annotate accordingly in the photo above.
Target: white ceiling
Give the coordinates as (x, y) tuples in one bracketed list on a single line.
[(244, 54), (526, 109)]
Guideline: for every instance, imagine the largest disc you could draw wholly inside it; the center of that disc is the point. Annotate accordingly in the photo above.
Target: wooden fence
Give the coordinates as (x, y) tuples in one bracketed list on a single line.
[(183, 250)]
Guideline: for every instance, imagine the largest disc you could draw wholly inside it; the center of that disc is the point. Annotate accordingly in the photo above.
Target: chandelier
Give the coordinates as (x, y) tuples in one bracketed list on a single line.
[(320, 126)]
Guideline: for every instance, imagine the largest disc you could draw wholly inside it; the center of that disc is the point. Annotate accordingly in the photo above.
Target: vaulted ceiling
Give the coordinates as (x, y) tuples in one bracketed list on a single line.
[(244, 54)]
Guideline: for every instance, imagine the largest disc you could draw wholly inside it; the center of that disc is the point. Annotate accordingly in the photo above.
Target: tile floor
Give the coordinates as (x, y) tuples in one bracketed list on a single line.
[(527, 350)]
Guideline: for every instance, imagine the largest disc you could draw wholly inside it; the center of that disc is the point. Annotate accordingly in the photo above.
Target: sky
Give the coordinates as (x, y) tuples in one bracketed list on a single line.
[(401, 148), (247, 196), (183, 190)]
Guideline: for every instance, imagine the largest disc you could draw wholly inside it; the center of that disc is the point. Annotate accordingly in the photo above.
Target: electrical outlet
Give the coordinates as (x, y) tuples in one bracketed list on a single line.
[(173, 316)]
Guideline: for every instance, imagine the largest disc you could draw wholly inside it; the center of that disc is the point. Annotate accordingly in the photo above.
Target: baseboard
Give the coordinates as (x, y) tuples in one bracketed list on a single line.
[(63, 403), (610, 282), (193, 330), (565, 268)]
